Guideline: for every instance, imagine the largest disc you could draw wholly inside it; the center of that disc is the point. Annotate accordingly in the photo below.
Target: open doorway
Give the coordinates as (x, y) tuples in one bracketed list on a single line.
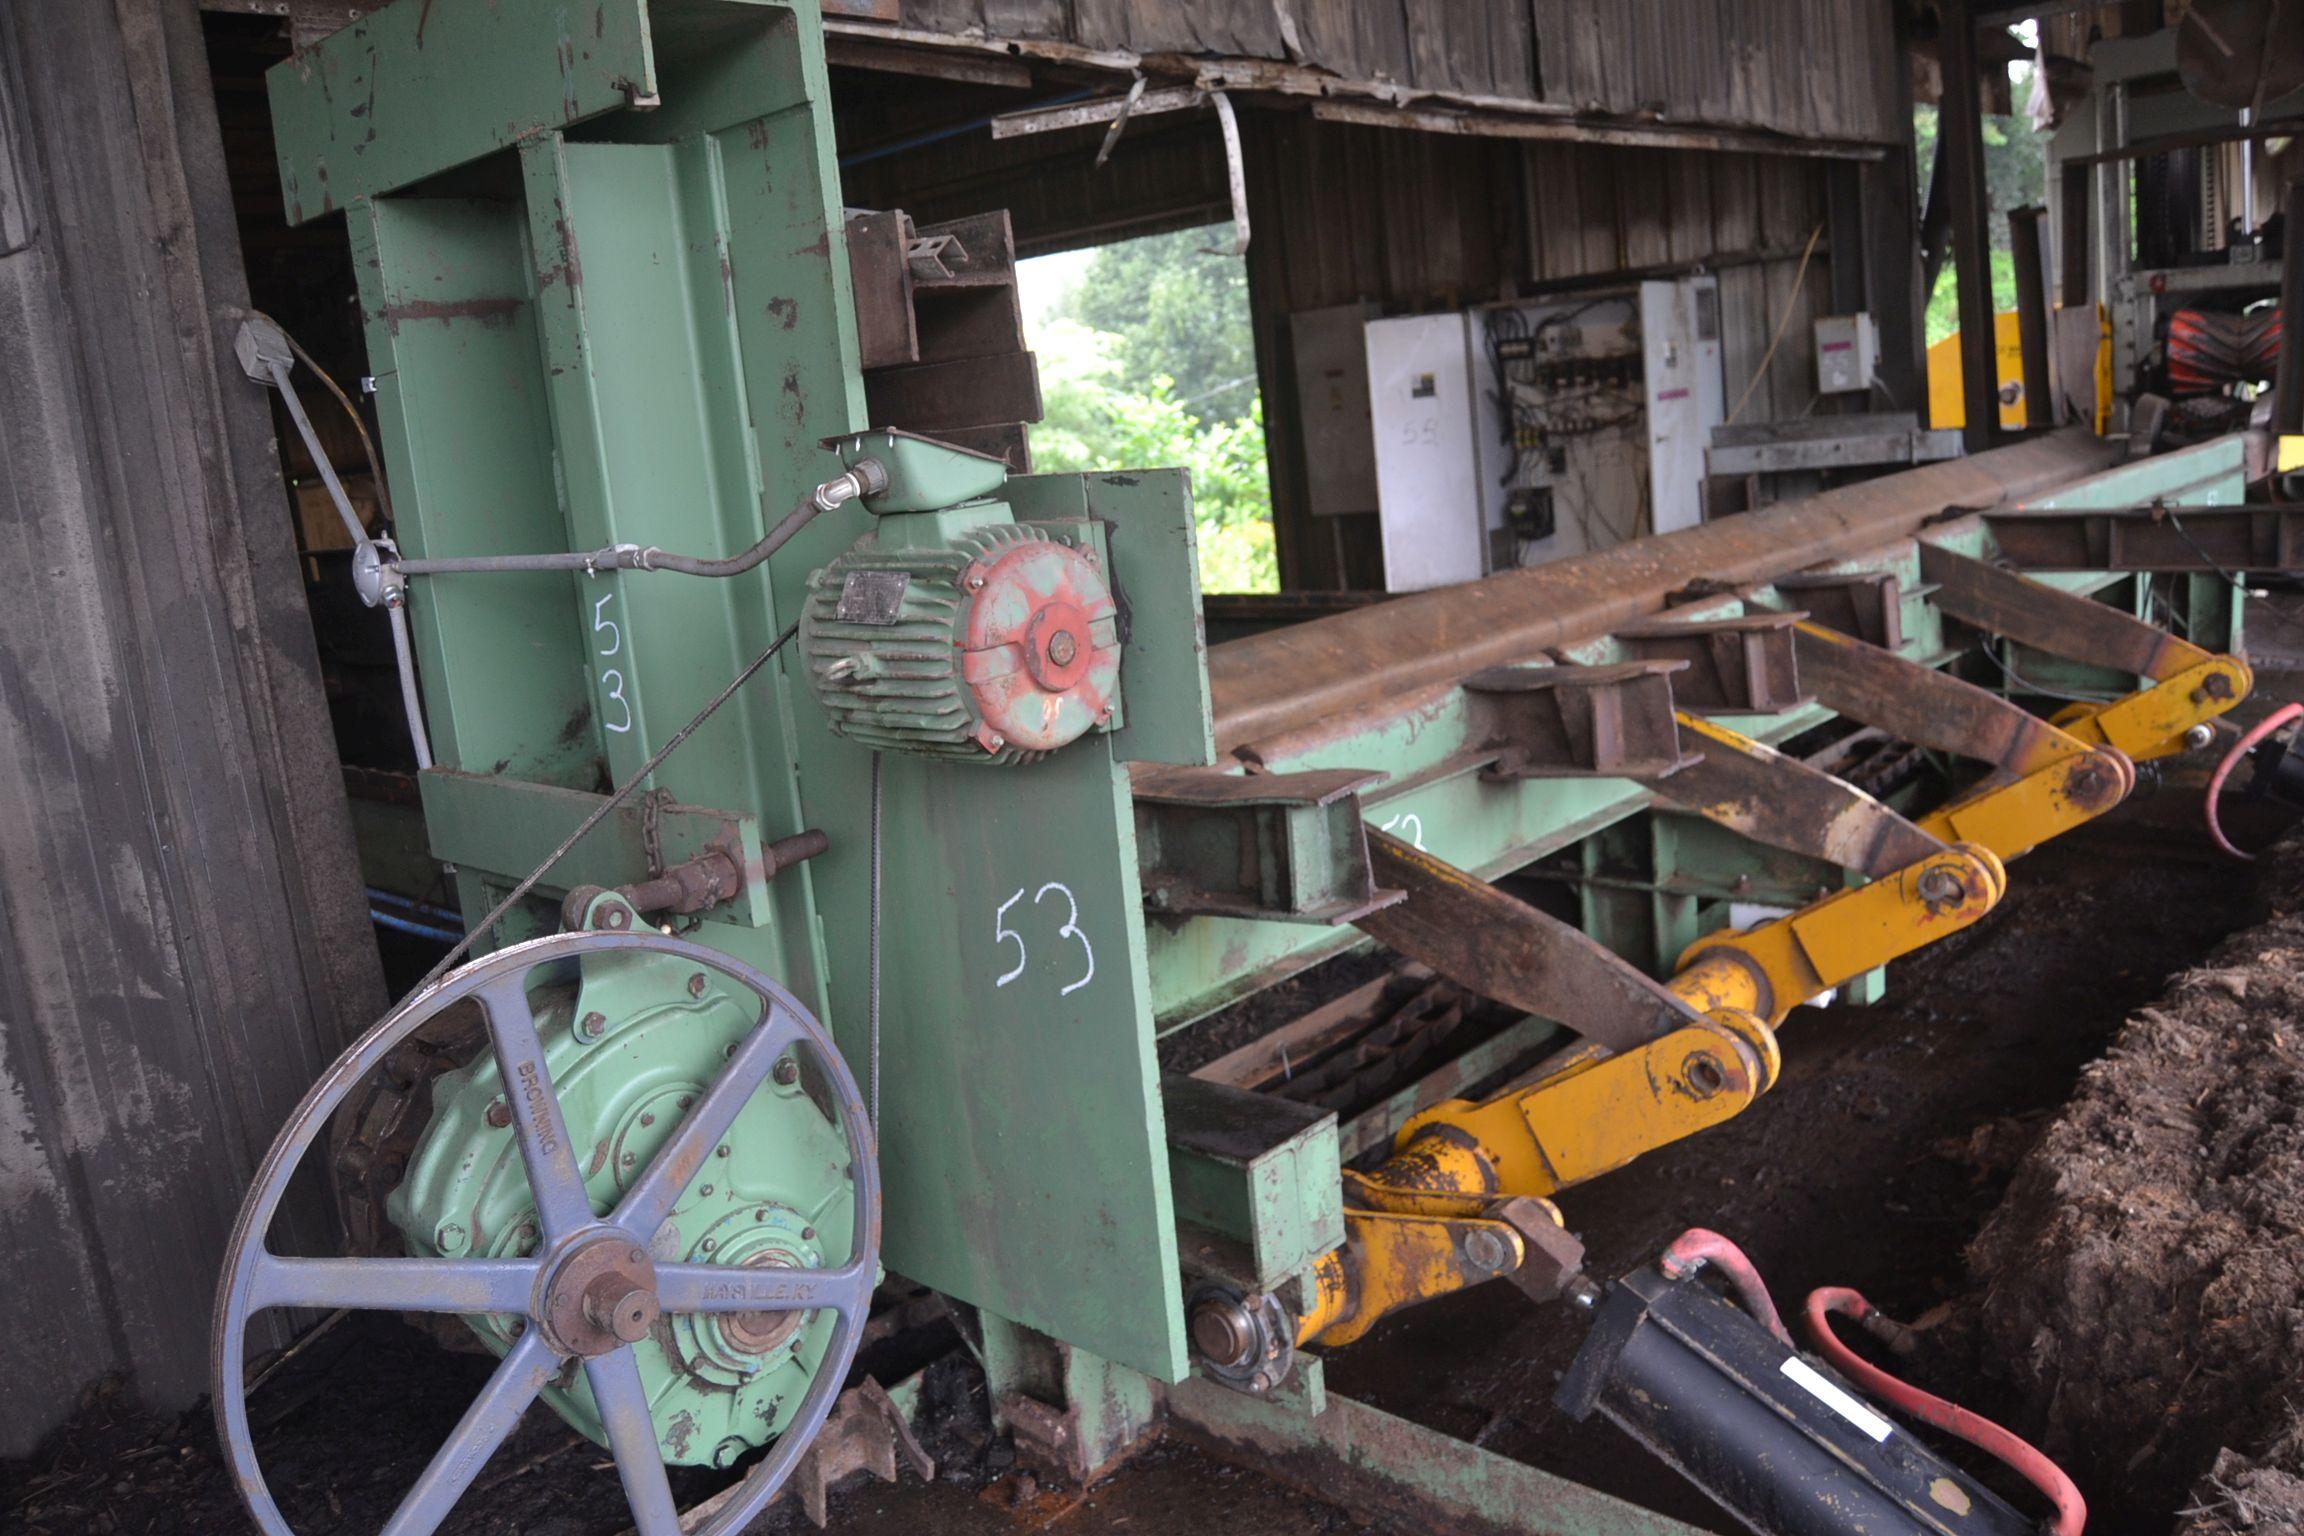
[(1146, 357)]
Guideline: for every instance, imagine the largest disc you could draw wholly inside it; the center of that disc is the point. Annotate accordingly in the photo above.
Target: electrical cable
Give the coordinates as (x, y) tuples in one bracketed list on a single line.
[(872, 965), (601, 811), (2018, 1455), (367, 444), (2230, 580), (2241, 748), (2042, 689), (1784, 320)]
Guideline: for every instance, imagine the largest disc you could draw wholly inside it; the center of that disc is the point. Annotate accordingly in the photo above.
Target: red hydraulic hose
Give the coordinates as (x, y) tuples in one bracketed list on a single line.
[(2240, 749), (1986, 1436), (1697, 1247)]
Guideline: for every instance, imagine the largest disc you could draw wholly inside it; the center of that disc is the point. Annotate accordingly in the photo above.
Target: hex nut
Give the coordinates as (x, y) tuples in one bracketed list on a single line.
[(1552, 1255)]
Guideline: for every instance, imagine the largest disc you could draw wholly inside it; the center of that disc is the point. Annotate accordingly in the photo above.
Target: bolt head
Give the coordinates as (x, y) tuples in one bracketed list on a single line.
[(2199, 736), (696, 985), (499, 1114), (592, 1026), (1223, 1331), (1485, 1251), (1705, 1075), (1062, 648), (1940, 884), (786, 1072)]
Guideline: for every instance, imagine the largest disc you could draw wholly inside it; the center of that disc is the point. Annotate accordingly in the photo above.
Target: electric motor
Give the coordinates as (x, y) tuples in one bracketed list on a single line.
[(965, 635)]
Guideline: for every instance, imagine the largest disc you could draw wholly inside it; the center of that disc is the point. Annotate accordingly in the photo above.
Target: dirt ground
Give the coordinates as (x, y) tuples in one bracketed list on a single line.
[(2144, 1280), (1877, 1160)]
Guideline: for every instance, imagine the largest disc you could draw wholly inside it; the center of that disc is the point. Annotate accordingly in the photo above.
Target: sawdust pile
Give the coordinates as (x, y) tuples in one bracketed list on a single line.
[(2144, 1278)]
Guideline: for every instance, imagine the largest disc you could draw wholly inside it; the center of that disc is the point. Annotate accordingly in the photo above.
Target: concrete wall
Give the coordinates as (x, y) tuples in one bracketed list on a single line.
[(183, 942)]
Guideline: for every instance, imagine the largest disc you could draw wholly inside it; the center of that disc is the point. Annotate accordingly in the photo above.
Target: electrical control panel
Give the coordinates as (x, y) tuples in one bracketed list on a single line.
[(1847, 353)]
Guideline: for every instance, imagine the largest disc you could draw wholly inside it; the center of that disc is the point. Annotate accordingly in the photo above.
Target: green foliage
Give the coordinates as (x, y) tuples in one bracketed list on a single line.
[(1098, 417), (1944, 303), (1149, 362), (1178, 311), (2015, 176)]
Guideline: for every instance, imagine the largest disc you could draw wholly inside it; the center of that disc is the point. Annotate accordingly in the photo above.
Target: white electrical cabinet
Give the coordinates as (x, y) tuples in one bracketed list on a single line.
[(1519, 433), (1680, 353), (1423, 411)]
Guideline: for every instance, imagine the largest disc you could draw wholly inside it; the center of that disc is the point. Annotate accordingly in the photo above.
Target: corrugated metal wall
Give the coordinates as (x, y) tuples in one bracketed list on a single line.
[(183, 942), (1815, 67)]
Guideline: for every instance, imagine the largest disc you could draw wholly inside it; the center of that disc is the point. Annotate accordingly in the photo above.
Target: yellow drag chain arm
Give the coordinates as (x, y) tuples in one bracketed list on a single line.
[(1461, 1198), (1425, 1222), (2153, 722)]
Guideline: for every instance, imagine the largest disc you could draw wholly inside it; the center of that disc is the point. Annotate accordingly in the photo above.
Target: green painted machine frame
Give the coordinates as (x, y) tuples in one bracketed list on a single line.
[(599, 248)]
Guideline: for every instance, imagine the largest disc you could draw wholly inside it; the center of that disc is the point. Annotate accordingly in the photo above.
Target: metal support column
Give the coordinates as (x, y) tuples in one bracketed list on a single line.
[(2032, 315), (1960, 129), (2288, 378)]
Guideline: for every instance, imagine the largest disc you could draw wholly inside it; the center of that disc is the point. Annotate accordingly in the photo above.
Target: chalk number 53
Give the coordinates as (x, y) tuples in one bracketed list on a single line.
[(1067, 929)]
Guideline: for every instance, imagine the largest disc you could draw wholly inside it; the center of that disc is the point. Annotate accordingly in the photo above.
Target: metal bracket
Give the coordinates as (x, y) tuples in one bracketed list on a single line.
[(864, 1434), (1279, 847), (502, 827), (1577, 722), (1735, 666), (1255, 1181), (1866, 604)]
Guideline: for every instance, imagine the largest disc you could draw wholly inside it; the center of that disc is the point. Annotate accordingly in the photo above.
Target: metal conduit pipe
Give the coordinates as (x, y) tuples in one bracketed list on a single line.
[(404, 657), (1291, 679), (866, 479)]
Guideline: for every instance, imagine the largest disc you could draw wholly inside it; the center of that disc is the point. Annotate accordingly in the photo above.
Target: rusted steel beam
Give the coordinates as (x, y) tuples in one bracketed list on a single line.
[(2256, 537), (1920, 704), (1753, 789), (2050, 619), (1398, 1472), (1288, 679), (1501, 947)]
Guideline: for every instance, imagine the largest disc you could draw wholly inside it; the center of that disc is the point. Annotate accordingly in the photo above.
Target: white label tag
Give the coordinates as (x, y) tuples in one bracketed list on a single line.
[(1836, 1399)]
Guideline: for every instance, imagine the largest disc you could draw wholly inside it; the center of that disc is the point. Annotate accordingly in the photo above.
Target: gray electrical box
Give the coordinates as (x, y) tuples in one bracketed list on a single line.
[(1332, 404)]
